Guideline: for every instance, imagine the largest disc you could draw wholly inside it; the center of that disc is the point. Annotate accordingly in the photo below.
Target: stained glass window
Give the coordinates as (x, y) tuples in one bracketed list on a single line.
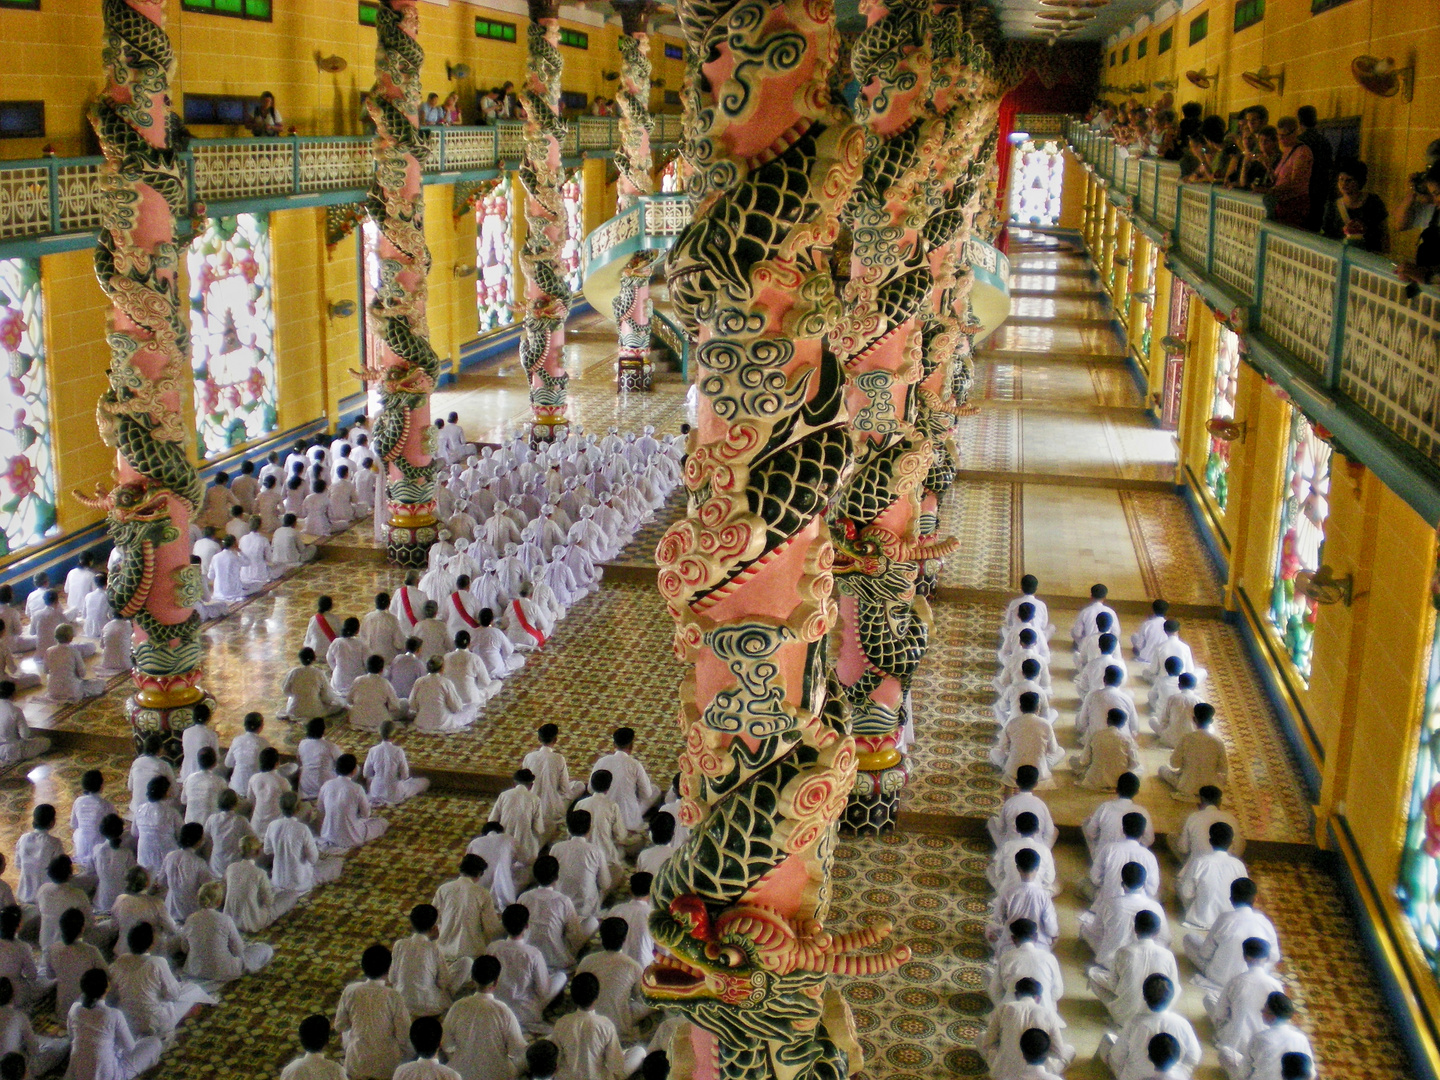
[(1304, 506), (572, 200), (1036, 170), (1222, 407), (27, 484), (1419, 870), (232, 331), (494, 257)]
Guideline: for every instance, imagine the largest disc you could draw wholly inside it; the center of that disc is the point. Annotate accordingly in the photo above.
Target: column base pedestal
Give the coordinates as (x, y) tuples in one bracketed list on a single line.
[(408, 545), (635, 373), (151, 712), (874, 802)]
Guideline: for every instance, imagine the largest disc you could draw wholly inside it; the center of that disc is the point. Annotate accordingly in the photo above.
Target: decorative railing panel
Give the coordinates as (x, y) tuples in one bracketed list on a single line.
[(1297, 303), (666, 215), (1145, 201), (334, 164), (1130, 174), (1195, 224), (596, 132), (469, 149), (78, 194), (1041, 125), (243, 168), (510, 138), (1390, 355), (613, 233), (1167, 194), (1237, 237), (668, 128)]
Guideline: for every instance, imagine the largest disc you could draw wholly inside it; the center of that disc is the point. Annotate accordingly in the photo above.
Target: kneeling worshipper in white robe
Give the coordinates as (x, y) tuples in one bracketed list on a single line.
[(1238, 1011), (469, 919), (17, 744), (255, 550), (1204, 882), (1027, 740), (96, 609), (23, 680), (373, 1020), (493, 647), (68, 959), (526, 983), (1173, 646), (1120, 987), (1001, 1043), (152, 999), (116, 644), (501, 865), (425, 979), (102, 1046), (224, 829), (1007, 705), (269, 505), (482, 1038), (287, 550), (525, 624), (434, 638), (1127, 1053), (1024, 897), (65, 669), (296, 865), (346, 657), (409, 602), (1026, 959), (387, 770), (1150, 633), (308, 693), (373, 701), (316, 509), (1177, 719), (227, 574), (346, 809), (323, 627), (380, 631), (215, 951), (1111, 926), (435, 705), (251, 900), (1200, 760), (467, 672), (406, 668), (461, 609)]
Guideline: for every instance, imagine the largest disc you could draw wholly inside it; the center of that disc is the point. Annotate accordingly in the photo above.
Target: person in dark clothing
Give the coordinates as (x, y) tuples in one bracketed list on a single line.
[(1357, 215), (1322, 175)]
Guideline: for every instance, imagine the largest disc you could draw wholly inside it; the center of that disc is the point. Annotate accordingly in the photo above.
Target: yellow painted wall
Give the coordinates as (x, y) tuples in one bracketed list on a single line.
[(297, 237), (54, 54), (1315, 52)]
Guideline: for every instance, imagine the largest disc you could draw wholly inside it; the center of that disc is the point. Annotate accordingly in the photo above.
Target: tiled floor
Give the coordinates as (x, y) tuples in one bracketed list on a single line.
[(611, 663)]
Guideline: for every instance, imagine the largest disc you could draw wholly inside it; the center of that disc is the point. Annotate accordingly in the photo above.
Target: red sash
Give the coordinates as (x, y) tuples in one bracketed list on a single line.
[(325, 627), (460, 607), (405, 603), (525, 624)]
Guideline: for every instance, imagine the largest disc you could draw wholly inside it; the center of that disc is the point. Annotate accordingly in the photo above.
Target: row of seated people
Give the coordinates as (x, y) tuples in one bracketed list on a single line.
[(1107, 721), (1232, 947)]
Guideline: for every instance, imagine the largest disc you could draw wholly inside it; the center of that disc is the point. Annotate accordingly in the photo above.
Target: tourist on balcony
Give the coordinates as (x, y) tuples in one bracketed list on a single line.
[(452, 110), (1322, 170), (1213, 137), (431, 114), (510, 107), (1190, 121), (490, 105), (266, 119), (1246, 144), (1358, 216), (1421, 210), (1164, 137), (1289, 182), (1257, 166)]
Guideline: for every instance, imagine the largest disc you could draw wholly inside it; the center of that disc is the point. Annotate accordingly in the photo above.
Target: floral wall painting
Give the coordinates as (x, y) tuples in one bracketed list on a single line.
[(1222, 407), (1304, 508), (27, 453), (1419, 887), (1036, 172), (232, 331)]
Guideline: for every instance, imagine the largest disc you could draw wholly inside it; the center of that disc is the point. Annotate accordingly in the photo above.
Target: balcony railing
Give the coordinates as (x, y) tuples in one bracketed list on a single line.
[(1338, 318), (59, 196)]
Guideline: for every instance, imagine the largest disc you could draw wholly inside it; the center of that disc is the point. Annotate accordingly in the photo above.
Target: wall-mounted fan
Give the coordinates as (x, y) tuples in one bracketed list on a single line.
[(331, 65), (1382, 78), (454, 72), (1203, 79), (1270, 82), (1225, 429), (1324, 587)]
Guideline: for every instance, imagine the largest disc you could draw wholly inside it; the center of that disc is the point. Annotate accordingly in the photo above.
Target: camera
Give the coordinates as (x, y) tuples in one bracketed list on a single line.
[(1417, 183)]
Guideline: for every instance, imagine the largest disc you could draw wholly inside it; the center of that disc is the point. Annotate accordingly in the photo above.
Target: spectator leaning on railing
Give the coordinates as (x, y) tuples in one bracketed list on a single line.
[(431, 114), (1322, 180), (266, 119), (1289, 186), (1357, 216), (1257, 167), (452, 110)]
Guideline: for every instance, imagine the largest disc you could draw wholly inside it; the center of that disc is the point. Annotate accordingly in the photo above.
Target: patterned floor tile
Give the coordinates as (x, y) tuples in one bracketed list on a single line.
[(980, 513), (1173, 561)]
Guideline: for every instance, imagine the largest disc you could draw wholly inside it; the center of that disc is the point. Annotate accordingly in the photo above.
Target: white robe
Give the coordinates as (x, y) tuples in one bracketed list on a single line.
[(346, 810), (630, 786), (1121, 987), (388, 772), (436, 706), (373, 701), (250, 898), (471, 679), (381, 635), (520, 811), (498, 652), (216, 952), (375, 1027), (468, 918), (227, 574), (102, 1046), (1204, 886), (483, 1040), (999, 1043), (346, 657)]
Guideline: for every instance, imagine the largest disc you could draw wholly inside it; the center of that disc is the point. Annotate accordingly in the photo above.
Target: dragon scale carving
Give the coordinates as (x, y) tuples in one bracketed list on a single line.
[(769, 760), (547, 296), (881, 341), (407, 369), (143, 414)]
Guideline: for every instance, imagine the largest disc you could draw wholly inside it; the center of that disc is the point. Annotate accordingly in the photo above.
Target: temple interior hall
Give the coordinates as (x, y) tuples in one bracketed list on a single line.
[(782, 352)]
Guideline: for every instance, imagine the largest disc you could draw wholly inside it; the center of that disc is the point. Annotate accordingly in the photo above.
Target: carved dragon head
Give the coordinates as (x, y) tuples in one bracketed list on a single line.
[(872, 550)]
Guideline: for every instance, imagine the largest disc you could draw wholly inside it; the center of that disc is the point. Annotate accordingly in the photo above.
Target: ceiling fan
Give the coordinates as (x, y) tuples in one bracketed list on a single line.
[(1264, 79), (1203, 79), (1382, 78)]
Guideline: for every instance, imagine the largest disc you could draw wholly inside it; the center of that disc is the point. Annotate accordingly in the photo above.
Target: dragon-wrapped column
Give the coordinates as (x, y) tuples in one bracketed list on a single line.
[(768, 760), (144, 415), (547, 296), (885, 625), (632, 306), (406, 369)]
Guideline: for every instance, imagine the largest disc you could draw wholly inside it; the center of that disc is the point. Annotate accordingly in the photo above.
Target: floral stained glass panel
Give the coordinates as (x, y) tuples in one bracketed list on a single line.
[(1222, 407), (670, 176), (1304, 507), (27, 484), (1147, 299), (494, 257), (572, 201), (1419, 889), (232, 331), (1036, 171)]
